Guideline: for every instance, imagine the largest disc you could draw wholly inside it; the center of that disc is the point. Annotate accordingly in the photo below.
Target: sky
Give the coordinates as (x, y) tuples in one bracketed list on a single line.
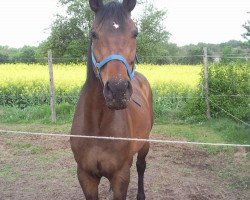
[(27, 22)]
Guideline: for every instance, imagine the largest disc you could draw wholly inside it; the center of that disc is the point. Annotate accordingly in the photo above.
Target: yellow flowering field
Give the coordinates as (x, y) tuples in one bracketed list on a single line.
[(30, 81), (187, 75)]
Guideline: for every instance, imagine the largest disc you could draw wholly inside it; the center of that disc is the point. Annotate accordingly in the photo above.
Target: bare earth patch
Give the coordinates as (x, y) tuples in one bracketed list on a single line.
[(44, 168)]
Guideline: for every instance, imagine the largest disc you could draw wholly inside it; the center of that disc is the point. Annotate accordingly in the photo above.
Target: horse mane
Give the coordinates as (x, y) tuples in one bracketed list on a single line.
[(90, 72)]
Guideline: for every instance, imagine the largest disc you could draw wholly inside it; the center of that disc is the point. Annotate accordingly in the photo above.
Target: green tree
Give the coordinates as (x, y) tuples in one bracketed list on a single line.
[(64, 34), (246, 35), (153, 38), (27, 55), (69, 34), (190, 54), (4, 57)]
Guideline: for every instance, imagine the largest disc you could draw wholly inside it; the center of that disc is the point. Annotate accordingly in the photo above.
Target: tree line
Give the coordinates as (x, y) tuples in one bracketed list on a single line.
[(70, 35)]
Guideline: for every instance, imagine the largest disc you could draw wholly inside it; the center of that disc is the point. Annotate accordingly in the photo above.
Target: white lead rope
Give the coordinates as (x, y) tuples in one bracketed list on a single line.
[(125, 139)]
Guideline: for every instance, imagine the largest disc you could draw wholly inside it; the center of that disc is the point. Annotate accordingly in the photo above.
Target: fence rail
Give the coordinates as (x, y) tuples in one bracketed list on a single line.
[(227, 56), (122, 139)]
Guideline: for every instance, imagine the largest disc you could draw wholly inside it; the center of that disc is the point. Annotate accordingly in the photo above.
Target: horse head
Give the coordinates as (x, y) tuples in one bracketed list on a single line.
[(113, 50)]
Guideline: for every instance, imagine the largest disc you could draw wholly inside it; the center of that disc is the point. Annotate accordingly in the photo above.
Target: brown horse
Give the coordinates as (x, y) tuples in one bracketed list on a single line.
[(115, 102)]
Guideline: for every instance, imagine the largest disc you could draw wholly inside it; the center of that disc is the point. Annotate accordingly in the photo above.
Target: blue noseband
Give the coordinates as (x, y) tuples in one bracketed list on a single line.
[(97, 66)]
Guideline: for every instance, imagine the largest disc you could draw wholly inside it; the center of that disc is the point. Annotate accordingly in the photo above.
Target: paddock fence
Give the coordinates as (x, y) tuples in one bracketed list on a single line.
[(52, 98), (39, 165)]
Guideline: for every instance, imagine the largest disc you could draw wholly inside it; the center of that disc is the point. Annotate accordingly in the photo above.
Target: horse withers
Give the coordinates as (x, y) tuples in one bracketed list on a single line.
[(115, 101)]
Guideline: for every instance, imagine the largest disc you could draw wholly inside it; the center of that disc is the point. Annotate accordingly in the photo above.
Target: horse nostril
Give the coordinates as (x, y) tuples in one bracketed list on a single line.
[(107, 85), (108, 91)]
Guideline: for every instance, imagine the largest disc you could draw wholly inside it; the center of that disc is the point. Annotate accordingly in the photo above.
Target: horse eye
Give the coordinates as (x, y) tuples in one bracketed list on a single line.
[(94, 35)]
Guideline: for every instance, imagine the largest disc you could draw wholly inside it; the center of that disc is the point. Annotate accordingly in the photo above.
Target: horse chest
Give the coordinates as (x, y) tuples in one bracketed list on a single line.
[(102, 160)]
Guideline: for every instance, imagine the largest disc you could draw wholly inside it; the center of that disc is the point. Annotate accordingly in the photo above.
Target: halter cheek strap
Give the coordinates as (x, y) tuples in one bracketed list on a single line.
[(97, 66)]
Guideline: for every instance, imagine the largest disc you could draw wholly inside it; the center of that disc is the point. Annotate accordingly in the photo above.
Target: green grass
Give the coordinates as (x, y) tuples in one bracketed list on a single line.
[(241, 183), (51, 158), (22, 147), (233, 172), (214, 131), (36, 114), (8, 173)]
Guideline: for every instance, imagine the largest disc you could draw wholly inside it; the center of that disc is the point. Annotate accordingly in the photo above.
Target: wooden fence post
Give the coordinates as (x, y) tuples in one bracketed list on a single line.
[(52, 88), (206, 87)]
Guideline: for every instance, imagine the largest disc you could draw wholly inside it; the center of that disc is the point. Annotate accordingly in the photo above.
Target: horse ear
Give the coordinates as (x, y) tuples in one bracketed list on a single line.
[(95, 5), (129, 4)]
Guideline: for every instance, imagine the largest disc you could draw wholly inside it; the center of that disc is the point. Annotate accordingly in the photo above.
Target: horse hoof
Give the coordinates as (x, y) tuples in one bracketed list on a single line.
[(140, 196)]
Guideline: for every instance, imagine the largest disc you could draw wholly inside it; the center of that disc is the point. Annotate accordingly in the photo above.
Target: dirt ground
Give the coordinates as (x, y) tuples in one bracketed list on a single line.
[(43, 168)]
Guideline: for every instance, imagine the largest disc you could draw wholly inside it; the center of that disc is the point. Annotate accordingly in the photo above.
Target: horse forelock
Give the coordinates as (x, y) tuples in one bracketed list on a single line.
[(112, 11)]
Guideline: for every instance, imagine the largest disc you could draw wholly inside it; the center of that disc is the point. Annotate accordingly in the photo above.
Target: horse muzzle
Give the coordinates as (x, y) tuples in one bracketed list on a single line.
[(117, 93)]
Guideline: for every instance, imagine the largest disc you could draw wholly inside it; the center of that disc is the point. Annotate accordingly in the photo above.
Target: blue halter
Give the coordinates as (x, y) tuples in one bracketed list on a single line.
[(97, 66)]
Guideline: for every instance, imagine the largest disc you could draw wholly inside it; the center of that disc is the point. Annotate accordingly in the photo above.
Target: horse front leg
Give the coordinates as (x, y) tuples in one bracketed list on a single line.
[(119, 183), (141, 166), (88, 183)]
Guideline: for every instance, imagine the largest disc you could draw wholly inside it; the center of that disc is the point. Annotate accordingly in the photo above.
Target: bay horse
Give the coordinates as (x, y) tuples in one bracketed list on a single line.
[(115, 101)]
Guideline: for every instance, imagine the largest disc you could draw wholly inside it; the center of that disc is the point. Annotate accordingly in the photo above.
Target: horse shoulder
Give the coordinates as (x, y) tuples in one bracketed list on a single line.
[(142, 117), (142, 93), (143, 84)]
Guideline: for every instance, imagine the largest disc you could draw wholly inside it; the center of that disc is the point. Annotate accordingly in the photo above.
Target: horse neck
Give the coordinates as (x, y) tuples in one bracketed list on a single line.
[(93, 85)]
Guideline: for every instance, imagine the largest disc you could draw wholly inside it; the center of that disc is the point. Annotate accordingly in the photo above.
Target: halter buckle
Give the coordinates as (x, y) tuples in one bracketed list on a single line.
[(96, 71)]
